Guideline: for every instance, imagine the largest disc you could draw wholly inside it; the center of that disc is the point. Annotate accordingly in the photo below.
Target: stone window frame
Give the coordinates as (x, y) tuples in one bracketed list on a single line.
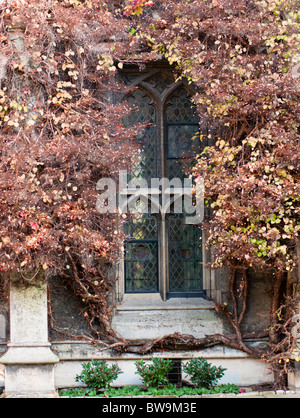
[(209, 277)]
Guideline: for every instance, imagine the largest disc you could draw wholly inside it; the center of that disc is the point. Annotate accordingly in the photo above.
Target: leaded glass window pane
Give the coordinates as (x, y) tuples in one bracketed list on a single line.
[(141, 268), (183, 139), (144, 112), (185, 256), (180, 108), (141, 226), (169, 142), (184, 247), (141, 254), (160, 83)]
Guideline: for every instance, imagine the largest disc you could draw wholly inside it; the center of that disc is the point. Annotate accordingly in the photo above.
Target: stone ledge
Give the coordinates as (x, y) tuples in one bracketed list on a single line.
[(154, 302), (69, 350), (144, 316), (29, 354), (30, 395), (154, 324)]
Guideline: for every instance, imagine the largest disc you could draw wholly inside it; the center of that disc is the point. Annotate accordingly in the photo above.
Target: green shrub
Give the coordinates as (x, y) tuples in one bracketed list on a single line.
[(202, 373), (155, 374), (96, 374)]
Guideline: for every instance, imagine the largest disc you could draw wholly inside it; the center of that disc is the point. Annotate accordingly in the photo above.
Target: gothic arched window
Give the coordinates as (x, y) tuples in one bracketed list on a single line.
[(162, 252)]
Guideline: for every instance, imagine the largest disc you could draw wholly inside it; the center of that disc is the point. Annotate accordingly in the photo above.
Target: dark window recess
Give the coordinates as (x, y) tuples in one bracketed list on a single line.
[(175, 375)]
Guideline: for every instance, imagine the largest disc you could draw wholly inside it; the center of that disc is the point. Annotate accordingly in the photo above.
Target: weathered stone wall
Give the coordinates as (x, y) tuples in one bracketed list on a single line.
[(4, 320), (4, 332), (240, 369), (68, 310), (258, 301), (142, 317)]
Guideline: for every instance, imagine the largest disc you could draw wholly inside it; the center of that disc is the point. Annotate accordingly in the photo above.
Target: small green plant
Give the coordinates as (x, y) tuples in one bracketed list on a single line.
[(202, 373), (136, 391), (155, 374), (97, 374)]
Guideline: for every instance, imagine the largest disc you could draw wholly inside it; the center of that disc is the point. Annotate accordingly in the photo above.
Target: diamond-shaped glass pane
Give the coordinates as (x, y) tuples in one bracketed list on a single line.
[(180, 108), (144, 112), (185, 256), (141, 267), (141, 226), (183, 140), (160, 82)]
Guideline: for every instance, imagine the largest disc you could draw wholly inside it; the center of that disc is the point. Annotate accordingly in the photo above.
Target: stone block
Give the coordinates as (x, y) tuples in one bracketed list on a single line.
[(29, 360), (150, 317), (294, 378), (2, 375), (240, 369), (2, 327), (26, 381), (156, 324)]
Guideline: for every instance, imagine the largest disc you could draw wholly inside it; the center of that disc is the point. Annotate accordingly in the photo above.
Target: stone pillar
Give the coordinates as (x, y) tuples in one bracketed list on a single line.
[(29, 361), (294, 377)]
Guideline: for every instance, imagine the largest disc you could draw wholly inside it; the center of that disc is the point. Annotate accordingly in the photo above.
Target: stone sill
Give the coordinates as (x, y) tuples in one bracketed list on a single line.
[(154, 302), (83, 351)]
